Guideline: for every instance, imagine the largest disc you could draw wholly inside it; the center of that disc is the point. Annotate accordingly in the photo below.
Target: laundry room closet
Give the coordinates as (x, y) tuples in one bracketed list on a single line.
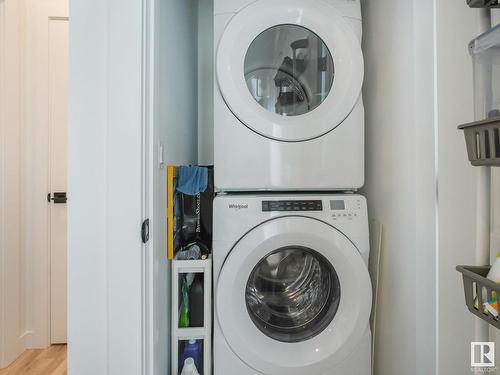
[(150, 102), (183, 132)]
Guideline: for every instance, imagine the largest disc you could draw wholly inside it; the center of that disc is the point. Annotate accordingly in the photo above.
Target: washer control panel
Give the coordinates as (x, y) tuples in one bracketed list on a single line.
[(292, 205), (345, 208)]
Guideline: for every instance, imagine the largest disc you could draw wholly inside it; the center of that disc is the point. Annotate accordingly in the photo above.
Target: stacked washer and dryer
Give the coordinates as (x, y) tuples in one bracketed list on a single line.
[(292, 293)]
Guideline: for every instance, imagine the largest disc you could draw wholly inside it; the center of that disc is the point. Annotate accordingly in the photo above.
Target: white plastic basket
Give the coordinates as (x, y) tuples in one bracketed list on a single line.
[(483, 136)]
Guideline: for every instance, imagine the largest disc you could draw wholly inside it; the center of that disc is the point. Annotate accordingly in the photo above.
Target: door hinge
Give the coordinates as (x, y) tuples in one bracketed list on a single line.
[(145, 231)]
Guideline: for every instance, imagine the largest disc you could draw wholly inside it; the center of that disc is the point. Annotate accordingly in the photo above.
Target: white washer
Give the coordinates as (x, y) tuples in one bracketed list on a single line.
[(292, 293), (288, 107)]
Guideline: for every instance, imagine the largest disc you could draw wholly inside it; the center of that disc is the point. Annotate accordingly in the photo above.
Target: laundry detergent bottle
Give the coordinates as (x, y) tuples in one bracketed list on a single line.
[(192, 350), (184, 310), (189, 367)]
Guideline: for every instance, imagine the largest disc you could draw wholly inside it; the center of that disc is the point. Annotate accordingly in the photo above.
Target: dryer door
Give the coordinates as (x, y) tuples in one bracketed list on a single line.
[(293, 297), (290, 70)]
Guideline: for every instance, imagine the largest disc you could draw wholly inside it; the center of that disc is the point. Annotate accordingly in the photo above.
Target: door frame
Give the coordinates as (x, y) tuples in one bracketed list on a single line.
[(111, 122), (12, 317), (57, 233), (36, 171)]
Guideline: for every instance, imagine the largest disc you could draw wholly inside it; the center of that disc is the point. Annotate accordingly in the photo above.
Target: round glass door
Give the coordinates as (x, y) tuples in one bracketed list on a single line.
[(289, 70), (293, 294)]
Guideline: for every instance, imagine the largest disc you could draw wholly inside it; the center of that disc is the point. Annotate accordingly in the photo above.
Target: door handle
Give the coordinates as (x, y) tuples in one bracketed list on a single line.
[(58, 198)]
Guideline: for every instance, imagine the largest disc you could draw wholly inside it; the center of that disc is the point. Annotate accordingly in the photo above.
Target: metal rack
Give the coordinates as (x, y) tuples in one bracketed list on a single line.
[(481, 147)]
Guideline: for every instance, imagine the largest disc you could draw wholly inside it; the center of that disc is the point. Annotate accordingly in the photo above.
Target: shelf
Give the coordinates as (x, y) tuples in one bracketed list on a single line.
[(478, 287), (483, 3), (191, 333), (190, 266), (202, 270), (483, 142)]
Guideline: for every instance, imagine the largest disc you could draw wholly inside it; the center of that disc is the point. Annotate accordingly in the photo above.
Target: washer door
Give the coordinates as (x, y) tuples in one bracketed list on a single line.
[(290, 70), (293, 297)]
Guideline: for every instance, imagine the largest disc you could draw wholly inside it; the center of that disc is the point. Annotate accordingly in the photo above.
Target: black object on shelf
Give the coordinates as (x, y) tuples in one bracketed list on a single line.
[(483, 3), (196, 302), (483, 141), (194, 220), (478, 288)]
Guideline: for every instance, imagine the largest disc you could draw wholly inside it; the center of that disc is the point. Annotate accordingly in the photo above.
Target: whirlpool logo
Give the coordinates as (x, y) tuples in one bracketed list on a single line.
[(238, 206)]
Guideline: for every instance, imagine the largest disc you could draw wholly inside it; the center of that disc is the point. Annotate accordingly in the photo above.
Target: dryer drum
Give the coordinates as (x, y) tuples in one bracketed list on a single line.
[(293, 294), (289, 70)]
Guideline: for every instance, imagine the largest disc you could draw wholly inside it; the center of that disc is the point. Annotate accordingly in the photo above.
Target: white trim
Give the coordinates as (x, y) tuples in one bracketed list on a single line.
[(3, 282), (148, 141), (436, 182)]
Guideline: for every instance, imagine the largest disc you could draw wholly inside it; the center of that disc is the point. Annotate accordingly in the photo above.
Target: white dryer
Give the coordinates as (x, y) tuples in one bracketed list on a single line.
[(288, 107), (292, 293)]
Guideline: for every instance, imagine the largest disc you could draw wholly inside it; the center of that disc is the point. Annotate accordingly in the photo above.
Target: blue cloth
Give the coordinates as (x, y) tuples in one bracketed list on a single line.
[(192, 180)]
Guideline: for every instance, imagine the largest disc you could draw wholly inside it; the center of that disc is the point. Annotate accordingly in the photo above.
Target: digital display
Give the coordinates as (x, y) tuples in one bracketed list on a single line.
[(337, 205), (305, 205)]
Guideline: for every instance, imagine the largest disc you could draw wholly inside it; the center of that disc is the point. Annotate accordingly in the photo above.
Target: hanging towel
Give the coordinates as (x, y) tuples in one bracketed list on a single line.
[(192, 180)]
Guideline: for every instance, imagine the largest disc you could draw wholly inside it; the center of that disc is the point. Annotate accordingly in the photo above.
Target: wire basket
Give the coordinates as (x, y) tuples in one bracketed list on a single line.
[(483, 142), (478, 288)]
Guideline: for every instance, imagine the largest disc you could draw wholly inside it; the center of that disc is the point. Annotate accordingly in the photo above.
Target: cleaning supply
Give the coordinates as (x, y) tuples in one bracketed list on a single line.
[(493, 301), (192, 180), (184, 310), (192, 350), (190, 252), (196, 302), (494, 274), (490, 305), (189, 367)]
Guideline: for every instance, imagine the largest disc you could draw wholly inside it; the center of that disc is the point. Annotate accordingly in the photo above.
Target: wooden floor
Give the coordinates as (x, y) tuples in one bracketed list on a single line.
[(51, 361)]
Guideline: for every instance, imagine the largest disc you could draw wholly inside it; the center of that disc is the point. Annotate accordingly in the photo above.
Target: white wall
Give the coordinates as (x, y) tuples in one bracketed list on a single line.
[(420, 184), (390, 179), (12, 324), (205, 82), (178, 99), (457, 25)]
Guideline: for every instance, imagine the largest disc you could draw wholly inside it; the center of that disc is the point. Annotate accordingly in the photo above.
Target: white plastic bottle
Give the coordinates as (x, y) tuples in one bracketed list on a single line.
[(189, 367), (494, 274)]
